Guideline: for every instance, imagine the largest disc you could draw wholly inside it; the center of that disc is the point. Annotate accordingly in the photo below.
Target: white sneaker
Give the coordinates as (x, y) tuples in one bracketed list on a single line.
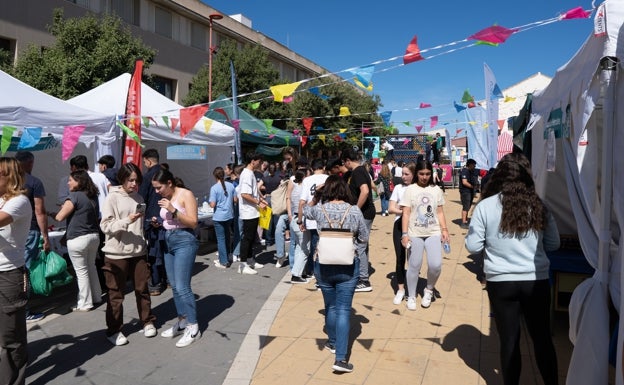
[(398, 298), (258, 266), (426, 299), (219, 265), (263, 242), (117, 339), (411, 303), (173, 331), (149, 330), (246, 270), (280, 262), (188, 337), (235, 258)]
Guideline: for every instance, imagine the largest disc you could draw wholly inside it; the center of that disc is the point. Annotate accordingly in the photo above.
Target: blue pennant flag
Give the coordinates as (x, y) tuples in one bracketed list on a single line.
[(30, 137)]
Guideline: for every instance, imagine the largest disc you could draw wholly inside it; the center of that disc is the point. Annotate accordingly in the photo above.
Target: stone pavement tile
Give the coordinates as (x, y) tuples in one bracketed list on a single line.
[(390, 377), (459, 342), (415, 329), (402, 357), (438, 372), (273, 350), (290, 371)]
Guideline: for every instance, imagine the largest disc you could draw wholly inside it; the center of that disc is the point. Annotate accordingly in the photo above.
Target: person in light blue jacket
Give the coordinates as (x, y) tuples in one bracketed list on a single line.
[(515, 229)]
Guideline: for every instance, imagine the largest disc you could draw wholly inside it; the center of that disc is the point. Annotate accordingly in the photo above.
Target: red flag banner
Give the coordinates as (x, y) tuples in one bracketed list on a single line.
[(189, 117), (132, 149), (412, 53), (307, 124)]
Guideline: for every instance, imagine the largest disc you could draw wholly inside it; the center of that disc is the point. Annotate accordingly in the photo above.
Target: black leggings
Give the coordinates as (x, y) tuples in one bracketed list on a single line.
[(399, 250), (250, 232), (511, 301)]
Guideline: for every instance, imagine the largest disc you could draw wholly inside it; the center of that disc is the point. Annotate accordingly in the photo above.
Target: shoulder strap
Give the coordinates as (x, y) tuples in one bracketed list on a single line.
[(330, 221), (345, 216)]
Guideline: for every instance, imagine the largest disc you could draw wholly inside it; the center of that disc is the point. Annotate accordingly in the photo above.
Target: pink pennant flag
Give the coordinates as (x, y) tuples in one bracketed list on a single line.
[(419, 128), (405, 141), (575, 13), (296, 132), (236, 124), (271, 136), (425, 105), (366, 130), (288, 99), (71, 135), (493, 34), (458, 131), (434, 121), (174, 123)]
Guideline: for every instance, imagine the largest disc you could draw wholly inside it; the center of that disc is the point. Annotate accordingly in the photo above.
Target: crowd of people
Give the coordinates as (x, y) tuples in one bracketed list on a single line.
[(127, 225)]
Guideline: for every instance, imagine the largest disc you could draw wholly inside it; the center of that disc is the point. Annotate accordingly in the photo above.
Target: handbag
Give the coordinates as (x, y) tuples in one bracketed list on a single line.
[(335, 245)]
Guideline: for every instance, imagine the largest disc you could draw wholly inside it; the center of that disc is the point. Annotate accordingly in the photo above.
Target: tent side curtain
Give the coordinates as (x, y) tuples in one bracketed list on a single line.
[(268, 150)]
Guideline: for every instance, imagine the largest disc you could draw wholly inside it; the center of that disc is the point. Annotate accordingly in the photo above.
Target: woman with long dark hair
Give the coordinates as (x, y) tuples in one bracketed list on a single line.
[(125, 253), (337, 282), (82, 212), (222, 199), (515, 229), (178, 210), (423, 225), (409, 170)]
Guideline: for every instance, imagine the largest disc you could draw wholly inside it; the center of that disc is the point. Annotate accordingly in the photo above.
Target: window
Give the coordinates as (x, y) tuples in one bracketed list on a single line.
[(165, 86), (8, 47), (127, 10), (164, 22), (198, 36)]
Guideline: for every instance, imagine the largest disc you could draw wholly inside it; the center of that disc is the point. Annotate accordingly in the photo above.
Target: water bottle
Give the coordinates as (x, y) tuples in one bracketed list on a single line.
[(447, 247), (205, 204)]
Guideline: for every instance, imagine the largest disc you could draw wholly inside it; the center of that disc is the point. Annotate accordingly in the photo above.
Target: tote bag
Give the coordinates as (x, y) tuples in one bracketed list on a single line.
[(335, 245), (265, 218)]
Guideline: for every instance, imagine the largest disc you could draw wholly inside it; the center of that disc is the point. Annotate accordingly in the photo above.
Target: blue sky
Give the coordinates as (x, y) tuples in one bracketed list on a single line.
[(347, 34)]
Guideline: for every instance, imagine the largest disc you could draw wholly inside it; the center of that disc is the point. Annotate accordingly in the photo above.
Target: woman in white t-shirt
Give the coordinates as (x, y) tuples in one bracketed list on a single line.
[(15, 216), (409, 170), (423, 225)]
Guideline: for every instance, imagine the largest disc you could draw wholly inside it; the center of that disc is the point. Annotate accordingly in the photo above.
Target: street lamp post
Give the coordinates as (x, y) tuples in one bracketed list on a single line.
[(211, 49)]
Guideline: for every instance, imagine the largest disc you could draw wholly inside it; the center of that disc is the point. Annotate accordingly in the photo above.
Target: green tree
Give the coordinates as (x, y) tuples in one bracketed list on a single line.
[(5, 61), (88, 52)]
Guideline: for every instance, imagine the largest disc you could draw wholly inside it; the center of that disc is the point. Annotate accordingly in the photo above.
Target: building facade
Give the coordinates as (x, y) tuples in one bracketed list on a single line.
[(178, 29)]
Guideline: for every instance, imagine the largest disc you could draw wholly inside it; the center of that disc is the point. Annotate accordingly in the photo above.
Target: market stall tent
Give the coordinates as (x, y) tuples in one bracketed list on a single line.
[(158, 112), (576, 146)]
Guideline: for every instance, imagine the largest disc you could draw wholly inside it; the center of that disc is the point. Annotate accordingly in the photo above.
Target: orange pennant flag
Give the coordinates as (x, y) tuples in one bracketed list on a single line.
[(189, 117)]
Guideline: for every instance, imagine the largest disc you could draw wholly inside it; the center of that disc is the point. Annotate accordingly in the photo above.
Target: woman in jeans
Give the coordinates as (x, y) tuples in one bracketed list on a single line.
[(15, 215), (384, 179), (222, 199), (83, 237), (298, 250), (178, 210), (409, 170), (337, 282), (515, 229), (125, 253)]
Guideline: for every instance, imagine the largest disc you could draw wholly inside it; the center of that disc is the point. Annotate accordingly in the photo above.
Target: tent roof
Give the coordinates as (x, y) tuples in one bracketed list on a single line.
[(24, 106), (253, 130), (111, 98)]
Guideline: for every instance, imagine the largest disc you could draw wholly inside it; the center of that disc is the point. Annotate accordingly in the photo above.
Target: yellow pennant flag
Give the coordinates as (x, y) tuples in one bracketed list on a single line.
[(509, 99), (344, 111), (472, 122), (322, 138), (361, 85), (283, 90), (343, 130), (207, 125), (486, 125)]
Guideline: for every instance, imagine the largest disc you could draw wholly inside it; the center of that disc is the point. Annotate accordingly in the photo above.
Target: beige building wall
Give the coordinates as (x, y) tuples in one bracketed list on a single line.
[(179, 56)]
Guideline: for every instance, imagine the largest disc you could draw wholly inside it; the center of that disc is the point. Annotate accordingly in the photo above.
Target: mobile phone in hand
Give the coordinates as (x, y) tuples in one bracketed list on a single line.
[(140, 208)]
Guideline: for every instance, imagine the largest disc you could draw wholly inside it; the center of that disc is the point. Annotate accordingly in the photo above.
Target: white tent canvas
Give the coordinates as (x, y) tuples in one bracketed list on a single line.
[(576, 145), (110, 97)]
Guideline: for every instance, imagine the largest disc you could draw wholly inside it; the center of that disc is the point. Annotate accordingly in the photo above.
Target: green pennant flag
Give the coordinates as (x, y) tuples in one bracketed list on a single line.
[(7, 134), (130, 133), (254, 106), (268, 123), (146, 121), (467, 98), (166, 120)]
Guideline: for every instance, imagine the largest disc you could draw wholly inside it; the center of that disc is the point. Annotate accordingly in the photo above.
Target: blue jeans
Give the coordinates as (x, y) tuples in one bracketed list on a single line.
[(281, 226), (384, 202), (222, 230), (179, 260), (302, 248), (337, 284), (32, 246), (312, 237)]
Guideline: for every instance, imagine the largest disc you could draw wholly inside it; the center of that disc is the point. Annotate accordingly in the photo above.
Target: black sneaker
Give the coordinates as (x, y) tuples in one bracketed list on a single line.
[(330, 347), (295, 279), (34, 317), (342, 366), (363, 286)]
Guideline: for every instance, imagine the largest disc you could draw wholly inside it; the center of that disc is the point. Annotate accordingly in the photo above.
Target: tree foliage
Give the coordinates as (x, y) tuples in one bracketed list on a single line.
[(88, 52), (255, 72)]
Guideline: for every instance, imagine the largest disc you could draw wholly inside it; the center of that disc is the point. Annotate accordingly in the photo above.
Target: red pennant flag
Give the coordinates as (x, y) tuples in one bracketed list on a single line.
[(501, 123), (174, 123), (222, 112), (307, 123), (471, 104), (457, 131), (304, 140), (425, 105), (337, 138), (412, 53), (419, 128), (189, 117)]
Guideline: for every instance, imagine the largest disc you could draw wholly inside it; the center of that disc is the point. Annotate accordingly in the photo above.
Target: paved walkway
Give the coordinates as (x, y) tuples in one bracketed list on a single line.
[(452, 342), (263, 330)]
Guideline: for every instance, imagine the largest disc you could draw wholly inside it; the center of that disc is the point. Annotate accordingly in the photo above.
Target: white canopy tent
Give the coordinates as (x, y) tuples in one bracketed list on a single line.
[(574, 132), (110, 97), (23, 106)]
